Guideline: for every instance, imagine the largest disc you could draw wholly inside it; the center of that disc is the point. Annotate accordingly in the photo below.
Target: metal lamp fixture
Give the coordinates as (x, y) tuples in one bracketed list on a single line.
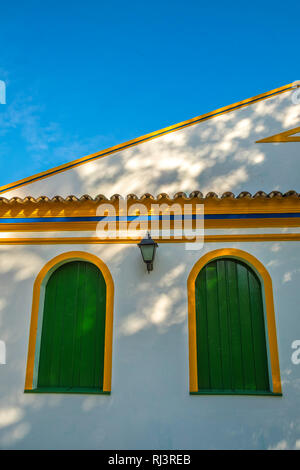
[(148, 249)]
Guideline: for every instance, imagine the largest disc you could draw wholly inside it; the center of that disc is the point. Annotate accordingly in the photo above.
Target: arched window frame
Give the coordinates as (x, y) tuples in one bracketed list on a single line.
[(37, 314), (267, 292)]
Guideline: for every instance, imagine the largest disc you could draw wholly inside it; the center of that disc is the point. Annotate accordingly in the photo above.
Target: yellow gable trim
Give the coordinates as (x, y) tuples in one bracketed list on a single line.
[(287, 136)]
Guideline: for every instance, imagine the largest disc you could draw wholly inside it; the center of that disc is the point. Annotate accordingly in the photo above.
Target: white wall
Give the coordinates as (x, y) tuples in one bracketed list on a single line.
[(216, 155), (150, 405)]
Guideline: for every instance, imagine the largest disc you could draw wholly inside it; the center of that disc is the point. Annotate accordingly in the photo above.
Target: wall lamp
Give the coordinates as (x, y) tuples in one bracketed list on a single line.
[(148, 249)]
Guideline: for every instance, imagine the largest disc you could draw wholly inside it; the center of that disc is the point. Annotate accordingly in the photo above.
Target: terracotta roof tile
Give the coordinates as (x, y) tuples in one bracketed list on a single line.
[(147, 196)]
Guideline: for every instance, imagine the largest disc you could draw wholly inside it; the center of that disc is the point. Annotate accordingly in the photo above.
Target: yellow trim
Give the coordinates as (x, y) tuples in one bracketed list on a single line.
[(237, 238), (92, 226), (147, 137), (227, 205), (270, 314), (213, 205), (65, 257), (282, 137)]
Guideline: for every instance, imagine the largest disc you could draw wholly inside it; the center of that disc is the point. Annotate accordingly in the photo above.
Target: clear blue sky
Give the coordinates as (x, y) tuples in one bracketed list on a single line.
[(84, 75)]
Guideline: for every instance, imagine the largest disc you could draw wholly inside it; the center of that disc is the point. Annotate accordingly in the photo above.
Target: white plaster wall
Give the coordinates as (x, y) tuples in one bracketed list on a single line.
[(150, 406), (216, 155)]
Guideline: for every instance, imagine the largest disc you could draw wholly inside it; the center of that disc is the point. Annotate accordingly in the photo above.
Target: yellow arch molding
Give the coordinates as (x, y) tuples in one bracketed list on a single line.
[(287, 136), (269, 304), (47, 270)]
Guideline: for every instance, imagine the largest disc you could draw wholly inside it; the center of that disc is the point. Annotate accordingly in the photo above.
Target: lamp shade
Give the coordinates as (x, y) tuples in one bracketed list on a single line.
[(148, 248)]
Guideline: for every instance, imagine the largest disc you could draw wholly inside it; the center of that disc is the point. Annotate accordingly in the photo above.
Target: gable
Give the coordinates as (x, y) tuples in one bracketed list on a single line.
[(214, 152)]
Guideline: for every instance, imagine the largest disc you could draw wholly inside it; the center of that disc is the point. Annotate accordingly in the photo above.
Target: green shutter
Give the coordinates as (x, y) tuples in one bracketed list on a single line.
[(73, 330), (231, 339)]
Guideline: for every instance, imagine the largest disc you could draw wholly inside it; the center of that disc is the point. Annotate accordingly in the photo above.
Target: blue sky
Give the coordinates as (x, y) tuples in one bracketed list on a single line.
[(83, 76)]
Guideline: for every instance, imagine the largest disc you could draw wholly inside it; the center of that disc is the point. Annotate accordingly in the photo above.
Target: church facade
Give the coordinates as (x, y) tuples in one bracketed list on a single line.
[(107, 346)]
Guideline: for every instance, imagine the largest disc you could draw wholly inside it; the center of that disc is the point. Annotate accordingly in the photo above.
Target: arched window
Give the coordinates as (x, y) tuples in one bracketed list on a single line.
[(72, 339), (227, 323)]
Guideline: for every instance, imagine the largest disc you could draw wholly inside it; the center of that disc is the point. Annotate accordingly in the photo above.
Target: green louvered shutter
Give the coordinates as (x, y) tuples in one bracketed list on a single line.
[(73, 329), (231, 339)]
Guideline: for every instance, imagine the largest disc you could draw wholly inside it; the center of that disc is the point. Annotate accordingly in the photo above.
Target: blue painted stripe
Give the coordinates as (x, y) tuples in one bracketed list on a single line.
[(253, 216), (146, 218), (137, 218), (125, 146)]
